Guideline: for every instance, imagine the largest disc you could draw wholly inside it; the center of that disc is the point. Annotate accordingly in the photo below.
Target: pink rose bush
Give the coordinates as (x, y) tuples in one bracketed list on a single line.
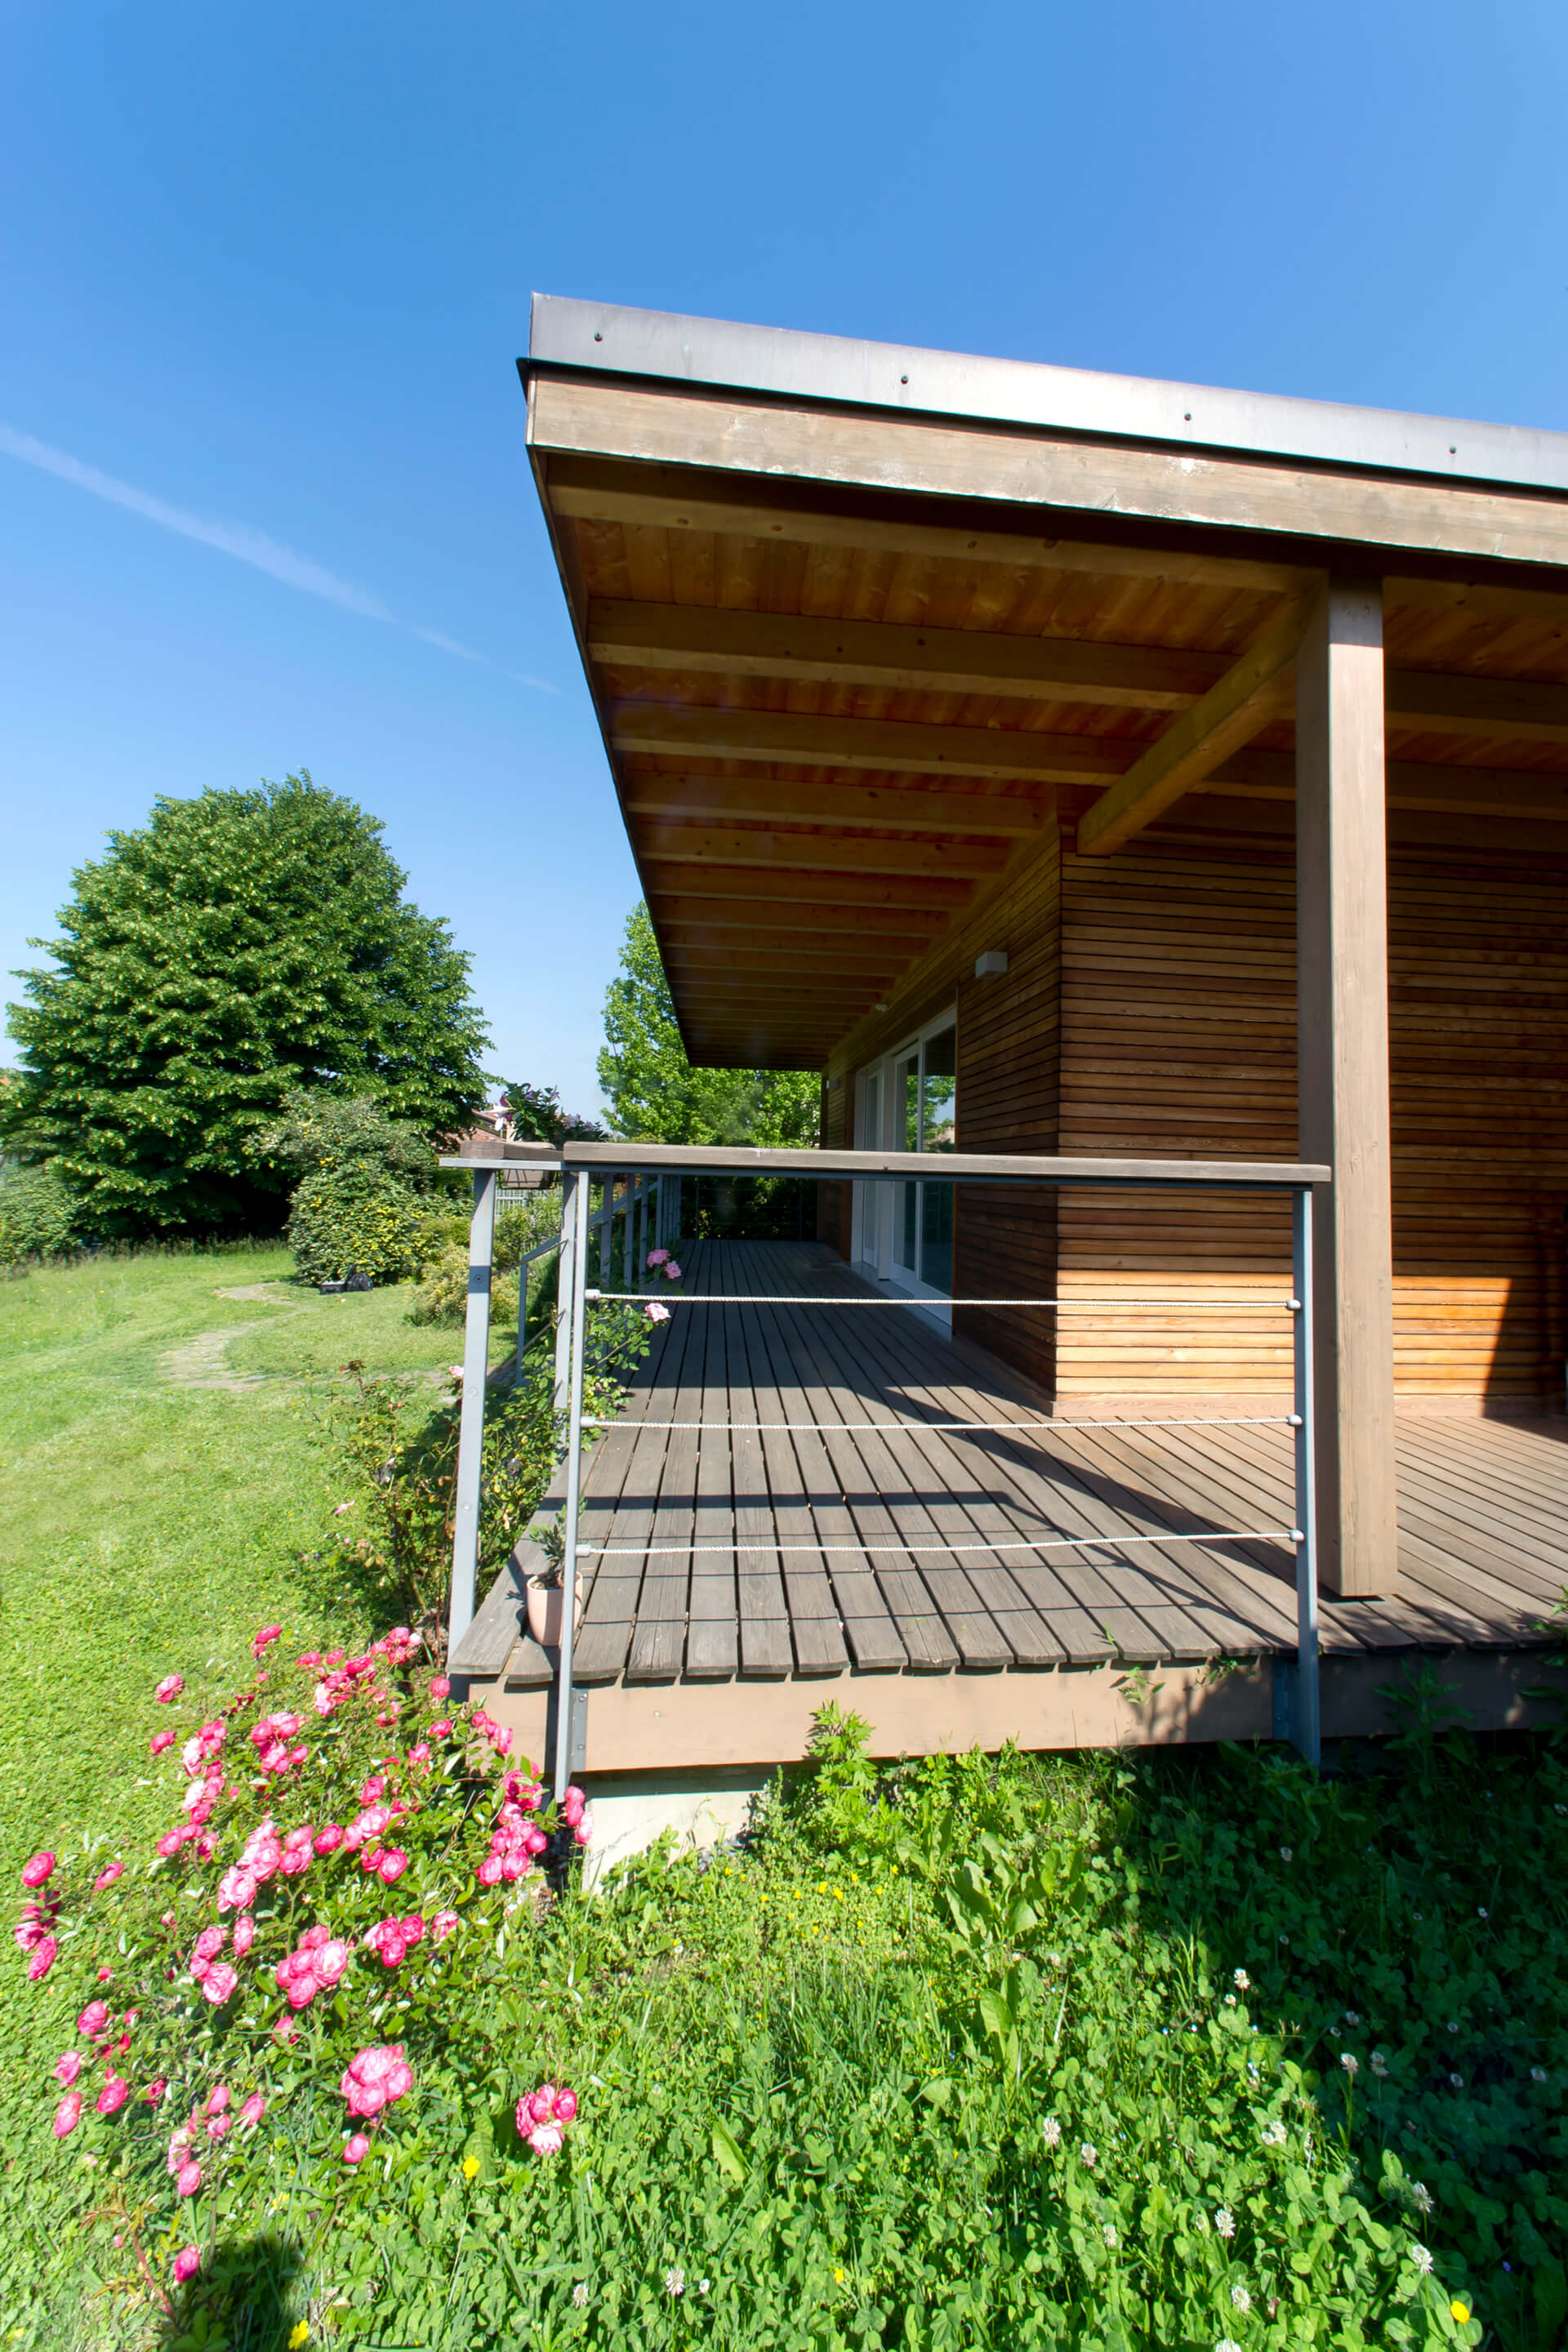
[(261, 1907)]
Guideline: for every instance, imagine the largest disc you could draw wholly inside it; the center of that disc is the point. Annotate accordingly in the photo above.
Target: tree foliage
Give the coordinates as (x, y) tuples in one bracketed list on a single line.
[(240, 944), (537, 1116), (318, 1131), (656, 1096)]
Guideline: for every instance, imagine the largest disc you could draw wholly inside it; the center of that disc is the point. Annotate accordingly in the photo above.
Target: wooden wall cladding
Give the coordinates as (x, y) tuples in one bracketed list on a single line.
[(834, 1202), (1178, 1036), (1009, 1070)]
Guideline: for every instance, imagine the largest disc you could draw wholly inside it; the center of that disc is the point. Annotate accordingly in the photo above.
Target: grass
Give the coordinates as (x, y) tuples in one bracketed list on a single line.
[(145, 1521)]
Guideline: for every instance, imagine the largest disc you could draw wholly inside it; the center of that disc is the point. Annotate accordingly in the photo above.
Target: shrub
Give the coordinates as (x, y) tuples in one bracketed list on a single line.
[(352, 1219), (442, 1296), (317, 1130), (275, 2003), (37, 1213)]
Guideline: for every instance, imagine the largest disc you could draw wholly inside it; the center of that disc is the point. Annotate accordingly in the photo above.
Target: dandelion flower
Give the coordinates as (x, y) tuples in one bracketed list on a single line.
[(298, 2334), (471, 2167)]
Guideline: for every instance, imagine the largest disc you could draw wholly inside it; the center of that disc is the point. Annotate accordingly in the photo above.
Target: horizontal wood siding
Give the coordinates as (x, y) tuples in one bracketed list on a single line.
[(834, 1201), (1179, 1037), (1009, 1071)]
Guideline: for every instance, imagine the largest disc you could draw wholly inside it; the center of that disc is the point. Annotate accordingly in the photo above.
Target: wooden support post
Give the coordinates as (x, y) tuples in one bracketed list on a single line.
[(1341, 1017)]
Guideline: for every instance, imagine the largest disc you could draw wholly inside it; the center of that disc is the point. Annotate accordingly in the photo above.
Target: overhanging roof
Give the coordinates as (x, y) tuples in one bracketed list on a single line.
[(613, 338), (859, 646)]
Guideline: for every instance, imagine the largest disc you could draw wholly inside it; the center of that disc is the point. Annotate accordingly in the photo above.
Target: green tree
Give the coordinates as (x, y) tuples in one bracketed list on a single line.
[(240, 944), (656, 1096)]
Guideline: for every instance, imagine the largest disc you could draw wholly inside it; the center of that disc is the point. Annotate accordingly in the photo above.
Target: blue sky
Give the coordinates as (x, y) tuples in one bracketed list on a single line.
[(265, 273)]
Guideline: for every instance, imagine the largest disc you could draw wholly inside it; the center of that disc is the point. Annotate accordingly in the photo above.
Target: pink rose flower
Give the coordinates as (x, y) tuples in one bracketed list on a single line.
[(169, 1688), (216, 2127), (219, 2099), (93, 2020), (113, 2095), (266, 1634), (443, 1924), (43, 1958), (244, 1934), (656, 1311), (159, 1741), (254, 2108), (155, 2090), (393, 1864), (107, 1876), (187, 2262), (374, 1788), (188, 2180), (208, 1944), (490, 1871), (68, 2114), (375, 2076), (328, 1840), (440, 1685), (442, 1730), (356, 2150), (37, 1869), (671, 1271), (658, 1257), (583, 1832), (547, 2139), (68, 2068), (219, 1983), (236, 1889), (331, 1960), (565, 2106)]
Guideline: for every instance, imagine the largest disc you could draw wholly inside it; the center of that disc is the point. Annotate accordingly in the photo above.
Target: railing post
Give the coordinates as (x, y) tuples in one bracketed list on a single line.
[(565, 1258), (577, 1209), (471, 1425), (1305, 1731)]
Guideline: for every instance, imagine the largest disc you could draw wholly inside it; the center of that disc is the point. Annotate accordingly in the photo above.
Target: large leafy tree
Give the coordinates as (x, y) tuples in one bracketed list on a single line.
[(656, 1096), (238, 946)]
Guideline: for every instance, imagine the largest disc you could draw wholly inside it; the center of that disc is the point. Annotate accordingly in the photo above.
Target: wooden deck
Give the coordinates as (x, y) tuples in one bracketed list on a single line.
[(790, 1543)]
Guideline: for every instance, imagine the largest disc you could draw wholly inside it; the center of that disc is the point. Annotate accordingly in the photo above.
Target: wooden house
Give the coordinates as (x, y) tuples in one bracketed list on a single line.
[(1067, 764)]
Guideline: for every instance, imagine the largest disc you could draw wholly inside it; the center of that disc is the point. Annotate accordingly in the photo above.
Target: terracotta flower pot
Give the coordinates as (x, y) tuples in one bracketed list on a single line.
[(544, 1609)]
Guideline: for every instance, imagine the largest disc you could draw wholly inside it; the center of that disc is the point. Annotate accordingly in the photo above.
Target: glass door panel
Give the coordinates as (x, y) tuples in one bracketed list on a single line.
[(939, 1129), (906, 1138), (868, 1139)]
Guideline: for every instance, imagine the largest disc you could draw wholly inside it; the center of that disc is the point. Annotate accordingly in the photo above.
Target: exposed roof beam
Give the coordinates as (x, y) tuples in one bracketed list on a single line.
[(884, 655), (1000, 754), (926, 895), (658, 498), (1256, 688), (888, 808), (1447, 703), (1155, 489), (741, 956), (682, 916), (699, 845), (1411, 784)]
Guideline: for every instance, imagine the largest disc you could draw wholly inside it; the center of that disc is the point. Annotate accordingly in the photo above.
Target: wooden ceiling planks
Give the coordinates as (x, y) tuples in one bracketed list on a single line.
[(840, 720)]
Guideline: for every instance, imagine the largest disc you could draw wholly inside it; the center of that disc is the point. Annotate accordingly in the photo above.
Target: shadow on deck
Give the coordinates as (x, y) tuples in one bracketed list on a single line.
[(786, 1514)]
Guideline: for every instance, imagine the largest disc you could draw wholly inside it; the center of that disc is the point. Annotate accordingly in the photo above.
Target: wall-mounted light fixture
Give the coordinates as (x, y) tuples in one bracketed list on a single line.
[(993, 962)]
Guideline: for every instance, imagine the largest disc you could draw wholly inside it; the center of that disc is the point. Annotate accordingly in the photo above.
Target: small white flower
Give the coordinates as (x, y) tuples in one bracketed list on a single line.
[(1088, 2152), (1227, 2344), (1537, 2074), (1481, 1913), (1453, 2025), (1421, 2258), (1274, 2134), (1559, 1808), (675, 2279), (1379, 2064), (1353, 2017), (1351, 2063), (1230, 2000), (1225, 2221), (1051, 2131), (1241, 1981), (1457, 2080), (1421, 2197), (703, 2285), (1240, 2297), (1287, 1854), (580, 2294), (1110, 2234)]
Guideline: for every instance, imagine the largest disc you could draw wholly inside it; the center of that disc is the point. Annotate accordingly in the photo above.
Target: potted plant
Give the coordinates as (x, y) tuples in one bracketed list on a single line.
[(546, 1586)]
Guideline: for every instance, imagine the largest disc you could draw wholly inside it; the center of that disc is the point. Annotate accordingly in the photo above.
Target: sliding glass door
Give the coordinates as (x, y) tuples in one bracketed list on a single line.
[(915, 1095)]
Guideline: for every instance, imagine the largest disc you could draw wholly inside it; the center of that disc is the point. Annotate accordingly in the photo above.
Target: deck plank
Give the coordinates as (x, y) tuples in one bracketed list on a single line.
[(766, 1646), (712, 1634)]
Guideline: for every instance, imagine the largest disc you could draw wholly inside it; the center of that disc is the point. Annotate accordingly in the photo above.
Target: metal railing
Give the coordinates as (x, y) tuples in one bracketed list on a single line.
[(640, 1184)]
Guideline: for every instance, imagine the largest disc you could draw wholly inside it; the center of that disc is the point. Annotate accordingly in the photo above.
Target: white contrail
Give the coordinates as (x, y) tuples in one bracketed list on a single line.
[(231, 539)]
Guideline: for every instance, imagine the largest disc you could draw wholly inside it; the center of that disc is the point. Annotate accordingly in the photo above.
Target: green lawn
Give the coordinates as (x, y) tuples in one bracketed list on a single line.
[(162, 1482)]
